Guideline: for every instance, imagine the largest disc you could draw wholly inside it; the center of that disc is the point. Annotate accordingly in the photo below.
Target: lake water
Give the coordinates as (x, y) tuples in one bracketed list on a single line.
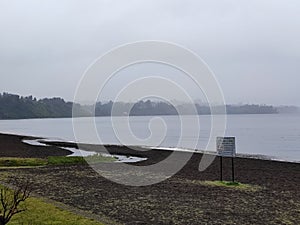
[(275, 135)]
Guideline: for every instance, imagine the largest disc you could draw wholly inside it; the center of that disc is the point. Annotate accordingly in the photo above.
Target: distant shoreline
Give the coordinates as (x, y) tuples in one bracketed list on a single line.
[(70, 117), (13, 106), (233, 114)]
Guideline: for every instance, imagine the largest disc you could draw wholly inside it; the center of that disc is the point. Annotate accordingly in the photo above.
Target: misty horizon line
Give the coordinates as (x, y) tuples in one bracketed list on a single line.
[(196, 101)]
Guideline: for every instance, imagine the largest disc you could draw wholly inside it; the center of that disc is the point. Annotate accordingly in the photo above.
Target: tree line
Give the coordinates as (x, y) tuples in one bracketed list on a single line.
[(18, 107)]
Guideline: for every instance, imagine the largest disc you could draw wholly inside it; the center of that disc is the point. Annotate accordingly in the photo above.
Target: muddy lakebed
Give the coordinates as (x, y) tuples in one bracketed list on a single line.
[(182, 199)]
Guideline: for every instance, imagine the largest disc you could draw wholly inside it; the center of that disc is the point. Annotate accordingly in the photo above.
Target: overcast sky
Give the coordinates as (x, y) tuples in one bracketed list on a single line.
[(253, 47)]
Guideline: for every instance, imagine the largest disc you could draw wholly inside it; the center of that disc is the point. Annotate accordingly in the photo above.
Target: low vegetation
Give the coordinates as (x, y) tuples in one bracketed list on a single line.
[(230, 184), (53, 160), (17, 162), (37, 212), (61, 160)]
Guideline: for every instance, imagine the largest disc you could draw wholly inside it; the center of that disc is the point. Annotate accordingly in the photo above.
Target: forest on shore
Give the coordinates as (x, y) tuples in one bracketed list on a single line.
[(13, 106)]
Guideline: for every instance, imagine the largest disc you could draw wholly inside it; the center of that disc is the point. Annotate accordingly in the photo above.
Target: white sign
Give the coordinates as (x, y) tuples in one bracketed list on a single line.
[(226, 146)]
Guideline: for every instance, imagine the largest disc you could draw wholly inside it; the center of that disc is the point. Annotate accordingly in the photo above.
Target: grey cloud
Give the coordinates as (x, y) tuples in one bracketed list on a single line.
[(252, 46)]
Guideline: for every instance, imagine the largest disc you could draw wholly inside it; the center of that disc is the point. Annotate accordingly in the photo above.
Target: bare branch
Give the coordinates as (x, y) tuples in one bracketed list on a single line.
[(10, 201)]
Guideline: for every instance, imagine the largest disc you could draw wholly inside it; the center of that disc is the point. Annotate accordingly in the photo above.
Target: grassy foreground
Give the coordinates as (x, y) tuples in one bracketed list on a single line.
[(39, 213), (52, 160)]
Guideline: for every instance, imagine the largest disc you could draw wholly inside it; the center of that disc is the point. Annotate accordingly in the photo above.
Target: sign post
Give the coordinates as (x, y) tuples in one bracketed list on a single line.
[(221, 168), (232, 169), (226, 148)]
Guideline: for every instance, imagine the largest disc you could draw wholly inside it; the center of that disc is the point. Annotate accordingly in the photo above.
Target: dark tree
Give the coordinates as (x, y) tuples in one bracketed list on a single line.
[(10, 201)]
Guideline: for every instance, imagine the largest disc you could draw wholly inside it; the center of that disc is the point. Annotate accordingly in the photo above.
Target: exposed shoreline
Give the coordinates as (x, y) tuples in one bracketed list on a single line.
[(57, 145), (181, 199), (12, 146)]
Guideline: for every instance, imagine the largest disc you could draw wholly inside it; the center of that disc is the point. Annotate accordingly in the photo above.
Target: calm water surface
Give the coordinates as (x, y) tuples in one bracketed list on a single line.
[(275, 135)]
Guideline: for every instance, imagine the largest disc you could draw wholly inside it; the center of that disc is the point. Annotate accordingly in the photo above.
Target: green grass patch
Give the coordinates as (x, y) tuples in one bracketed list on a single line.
[(99, 158), (225, 184), (41, 213), (17, 162), (53, 160), (230, 184), (62, 160), (38, 212)]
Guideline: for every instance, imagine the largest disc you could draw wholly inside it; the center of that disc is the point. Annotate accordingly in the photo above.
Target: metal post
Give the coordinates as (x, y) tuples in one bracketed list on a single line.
[(232, 168), (221, 168)]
